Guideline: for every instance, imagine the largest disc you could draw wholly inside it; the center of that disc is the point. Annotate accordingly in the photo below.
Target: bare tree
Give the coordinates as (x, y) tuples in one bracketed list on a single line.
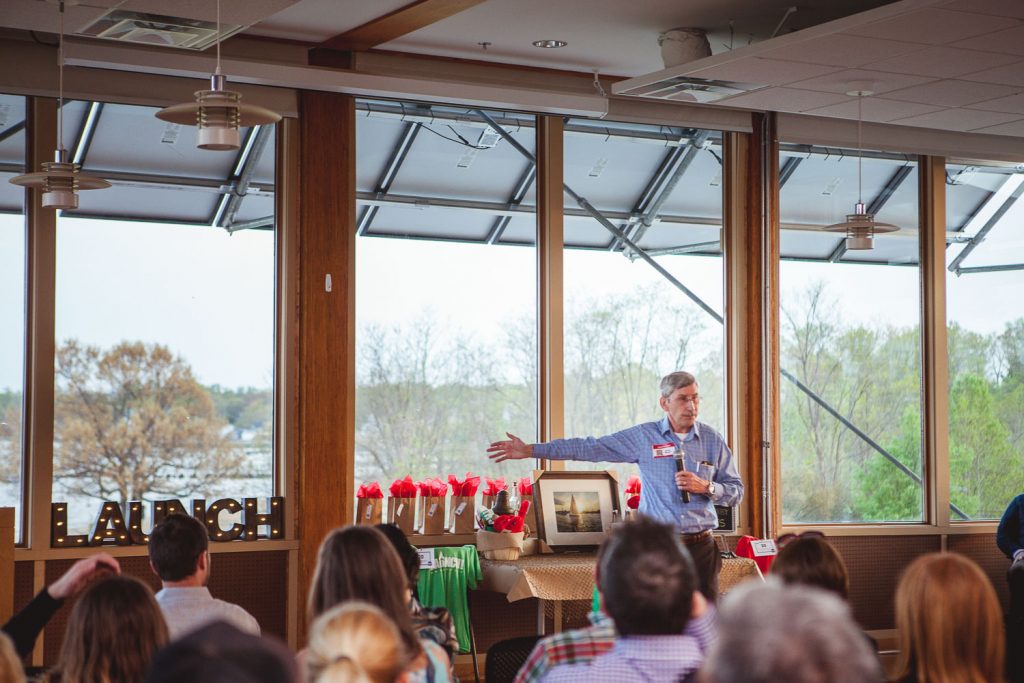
[(133, 421)]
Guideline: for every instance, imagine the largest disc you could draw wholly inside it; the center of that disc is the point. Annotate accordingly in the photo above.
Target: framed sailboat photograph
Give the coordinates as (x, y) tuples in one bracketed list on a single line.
[(575, 510)]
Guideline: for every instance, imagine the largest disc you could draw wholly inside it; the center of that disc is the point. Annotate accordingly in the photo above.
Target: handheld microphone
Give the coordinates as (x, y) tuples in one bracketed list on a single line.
[(681, 467)]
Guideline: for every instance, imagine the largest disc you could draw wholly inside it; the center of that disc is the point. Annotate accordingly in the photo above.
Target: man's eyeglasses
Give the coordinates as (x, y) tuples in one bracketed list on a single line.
[(785, 539), (695, 399)]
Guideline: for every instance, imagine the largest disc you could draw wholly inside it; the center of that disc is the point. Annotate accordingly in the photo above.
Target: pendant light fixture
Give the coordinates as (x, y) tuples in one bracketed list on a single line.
[(60, 179), (218, 112), (860, 227)]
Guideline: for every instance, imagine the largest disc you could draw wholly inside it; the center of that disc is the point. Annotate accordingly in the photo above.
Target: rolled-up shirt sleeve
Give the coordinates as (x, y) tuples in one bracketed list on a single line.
[(729, 486)]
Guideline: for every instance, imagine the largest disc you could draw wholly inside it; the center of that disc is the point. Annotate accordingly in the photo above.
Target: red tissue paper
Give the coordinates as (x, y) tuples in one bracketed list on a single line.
[(466, 487), (492, 486), (525, 486), (403, 488), (512, 523), (633, 492), (371, 490), (432, 487)]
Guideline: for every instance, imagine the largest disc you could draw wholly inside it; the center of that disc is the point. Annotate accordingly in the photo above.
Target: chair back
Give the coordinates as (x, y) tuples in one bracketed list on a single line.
[(505, 658), (736, 570)]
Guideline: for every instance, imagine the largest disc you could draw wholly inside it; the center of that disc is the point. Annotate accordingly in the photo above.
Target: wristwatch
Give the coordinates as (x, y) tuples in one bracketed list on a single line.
[(711, 489)]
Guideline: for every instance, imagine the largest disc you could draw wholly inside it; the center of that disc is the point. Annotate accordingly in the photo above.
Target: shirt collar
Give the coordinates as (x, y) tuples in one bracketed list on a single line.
[(666, 428)]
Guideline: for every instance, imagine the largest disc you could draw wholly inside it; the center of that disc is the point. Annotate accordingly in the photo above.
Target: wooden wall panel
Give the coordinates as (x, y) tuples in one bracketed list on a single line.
[(982, 549), (326, 383), (875, 564), (255, 581)]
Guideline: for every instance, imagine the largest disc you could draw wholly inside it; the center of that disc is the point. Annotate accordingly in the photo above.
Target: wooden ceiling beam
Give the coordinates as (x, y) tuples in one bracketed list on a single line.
[(402, 21)]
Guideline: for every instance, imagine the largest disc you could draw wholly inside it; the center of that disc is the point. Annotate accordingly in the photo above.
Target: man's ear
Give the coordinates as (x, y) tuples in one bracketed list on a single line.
[(203, 563), (663, 402), (153, 568)]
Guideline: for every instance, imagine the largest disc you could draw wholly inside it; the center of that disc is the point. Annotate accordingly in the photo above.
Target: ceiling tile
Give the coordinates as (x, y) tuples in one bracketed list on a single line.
[(850, 79), (764, 71), (784, 99), (1011, 74), (1014, 128), (942, 62), (1014, 104), (843, 50), (958, 119), (934, 26), (951, 93), (1010, 41), (999, 8), (875, 109)]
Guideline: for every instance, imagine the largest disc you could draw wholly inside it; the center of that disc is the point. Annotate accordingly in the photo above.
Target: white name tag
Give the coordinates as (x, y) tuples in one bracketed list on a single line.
[(663, 450), (369, 510), (433, 509), (427, 558), (763, 548), (459, 509), (398, 512)]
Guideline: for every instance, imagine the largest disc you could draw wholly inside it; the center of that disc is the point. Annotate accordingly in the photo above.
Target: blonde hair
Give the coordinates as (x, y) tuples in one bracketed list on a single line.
[(949, 621), (355, 643), (10, 663)]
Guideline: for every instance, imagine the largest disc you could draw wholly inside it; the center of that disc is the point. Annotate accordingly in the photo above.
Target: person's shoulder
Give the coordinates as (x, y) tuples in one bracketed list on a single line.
[(239, 615), (707, 431)]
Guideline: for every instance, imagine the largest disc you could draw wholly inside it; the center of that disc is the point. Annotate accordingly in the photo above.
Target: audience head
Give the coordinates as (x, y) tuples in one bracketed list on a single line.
[(819, 643), (647, 579), (950, 622), (176, 546), (10, 663), (112, 634), (220, 652), (354, 642), (811, 560), (358, 563), (406, 553)]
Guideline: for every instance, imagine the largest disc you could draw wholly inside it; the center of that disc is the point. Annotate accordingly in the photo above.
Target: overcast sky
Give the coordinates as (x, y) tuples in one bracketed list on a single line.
[(209, 295)]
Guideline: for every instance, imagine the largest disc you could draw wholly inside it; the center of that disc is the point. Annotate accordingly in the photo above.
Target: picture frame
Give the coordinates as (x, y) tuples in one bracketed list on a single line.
[(575, 510)]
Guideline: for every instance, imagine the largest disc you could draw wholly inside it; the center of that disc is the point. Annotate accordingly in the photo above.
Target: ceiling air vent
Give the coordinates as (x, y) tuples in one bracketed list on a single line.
[(688, 89), (155, 29)]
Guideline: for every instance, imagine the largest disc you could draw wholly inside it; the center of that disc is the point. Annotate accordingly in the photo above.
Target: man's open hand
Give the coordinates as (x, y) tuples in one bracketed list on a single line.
[(513, 449)]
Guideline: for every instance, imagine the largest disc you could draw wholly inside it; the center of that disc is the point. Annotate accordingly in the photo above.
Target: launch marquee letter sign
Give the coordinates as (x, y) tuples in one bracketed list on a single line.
[(113, 529)]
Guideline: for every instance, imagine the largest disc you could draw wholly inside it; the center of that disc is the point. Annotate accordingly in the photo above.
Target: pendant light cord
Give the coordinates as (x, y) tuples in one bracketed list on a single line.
[(60, 83), (218, 38), (860, 151)]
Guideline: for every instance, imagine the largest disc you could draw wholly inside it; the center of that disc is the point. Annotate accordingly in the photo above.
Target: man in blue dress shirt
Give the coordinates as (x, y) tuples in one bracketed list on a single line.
[(710, 476)]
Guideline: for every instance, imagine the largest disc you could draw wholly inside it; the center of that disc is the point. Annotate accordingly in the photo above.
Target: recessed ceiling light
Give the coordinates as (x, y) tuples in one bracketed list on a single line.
[(549, 43)]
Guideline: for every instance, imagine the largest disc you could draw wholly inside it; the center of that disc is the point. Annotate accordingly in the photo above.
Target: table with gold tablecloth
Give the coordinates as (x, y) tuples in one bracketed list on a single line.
[(554, 578)]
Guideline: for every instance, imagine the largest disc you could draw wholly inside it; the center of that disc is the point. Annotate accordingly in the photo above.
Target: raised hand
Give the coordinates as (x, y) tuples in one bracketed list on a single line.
[(81, 573), (512, 449)]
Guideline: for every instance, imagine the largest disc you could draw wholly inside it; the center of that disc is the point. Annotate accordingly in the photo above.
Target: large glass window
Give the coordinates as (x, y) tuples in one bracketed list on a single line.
[(850, 341), (445, 290), (985, 312), (627, 324), (164, 316), (12, 303)]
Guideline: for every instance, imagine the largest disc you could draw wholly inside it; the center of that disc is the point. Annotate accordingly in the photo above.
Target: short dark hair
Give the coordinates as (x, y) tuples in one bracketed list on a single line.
[(175, 546), (406, 552), (220, 652), (647, 579), (811, 560)]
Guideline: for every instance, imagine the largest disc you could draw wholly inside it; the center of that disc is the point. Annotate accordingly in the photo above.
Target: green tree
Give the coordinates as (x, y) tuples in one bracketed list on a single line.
[(132, 422)]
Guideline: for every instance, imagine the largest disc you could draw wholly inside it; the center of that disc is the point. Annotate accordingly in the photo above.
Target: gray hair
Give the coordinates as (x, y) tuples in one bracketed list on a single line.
[(676, 380), (771, 632)]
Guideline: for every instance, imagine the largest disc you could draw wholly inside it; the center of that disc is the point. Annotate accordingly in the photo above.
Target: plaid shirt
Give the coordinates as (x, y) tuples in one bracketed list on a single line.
[(645, 659), (582, 646), (569, 647)]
